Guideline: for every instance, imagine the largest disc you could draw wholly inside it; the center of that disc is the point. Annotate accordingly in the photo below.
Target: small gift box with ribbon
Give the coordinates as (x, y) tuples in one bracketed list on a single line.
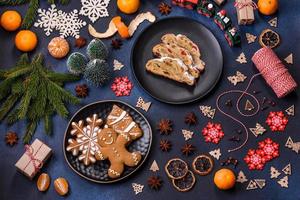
[(33, 159), (245, 11)]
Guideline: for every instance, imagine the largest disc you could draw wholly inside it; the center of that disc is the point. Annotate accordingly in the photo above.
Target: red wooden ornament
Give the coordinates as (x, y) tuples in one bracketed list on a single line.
[(277, 121), (213, 133), (122, 86)]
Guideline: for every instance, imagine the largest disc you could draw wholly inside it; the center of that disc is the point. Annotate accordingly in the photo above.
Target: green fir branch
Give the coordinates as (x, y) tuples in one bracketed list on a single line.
[(8, 105), (30, 129), (58, 77), (30, 14), (12, 2)]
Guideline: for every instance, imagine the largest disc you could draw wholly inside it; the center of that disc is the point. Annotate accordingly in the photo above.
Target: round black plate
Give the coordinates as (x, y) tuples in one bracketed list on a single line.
[(166, 90), (97, 172)]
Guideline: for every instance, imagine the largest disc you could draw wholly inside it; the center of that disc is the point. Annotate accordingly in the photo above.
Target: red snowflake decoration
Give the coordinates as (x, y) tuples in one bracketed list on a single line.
[(270, 148), (277, 121), (255, 159), (122, 86), (213, 133)]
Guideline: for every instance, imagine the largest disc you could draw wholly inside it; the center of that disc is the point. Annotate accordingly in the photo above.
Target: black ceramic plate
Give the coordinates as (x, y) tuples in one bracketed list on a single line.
[(97, 172), (166, 90)]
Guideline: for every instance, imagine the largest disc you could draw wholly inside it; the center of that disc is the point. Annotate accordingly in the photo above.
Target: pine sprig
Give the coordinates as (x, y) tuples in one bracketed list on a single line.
[(64, 2), (30, 14), (35, 95), (12, 2)]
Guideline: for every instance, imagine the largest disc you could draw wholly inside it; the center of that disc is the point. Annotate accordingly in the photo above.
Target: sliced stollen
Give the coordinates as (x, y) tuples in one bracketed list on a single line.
[(172, 68), (175, 51), (184, 42)]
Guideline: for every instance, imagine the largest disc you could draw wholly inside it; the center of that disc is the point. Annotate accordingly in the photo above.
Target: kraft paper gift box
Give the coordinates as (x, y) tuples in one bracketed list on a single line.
[(33, 159), (245, 11)]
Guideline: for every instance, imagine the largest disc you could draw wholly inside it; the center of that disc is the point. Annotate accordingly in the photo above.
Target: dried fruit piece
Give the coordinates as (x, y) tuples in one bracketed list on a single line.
[(165, 126), (188, 149), (165, 145), (203, 165), (269, 38), (176, 168), (61, 186), (154, 182), (164, 8), (43, 182), (80, 42), (82, 90), (11, 138), (190, 118), (186, 183), (116, 43)]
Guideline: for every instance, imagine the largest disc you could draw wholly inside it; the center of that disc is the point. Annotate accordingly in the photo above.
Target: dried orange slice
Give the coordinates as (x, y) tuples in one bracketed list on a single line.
[(203, 165), (269, 38), (186, 183), (176, 168)]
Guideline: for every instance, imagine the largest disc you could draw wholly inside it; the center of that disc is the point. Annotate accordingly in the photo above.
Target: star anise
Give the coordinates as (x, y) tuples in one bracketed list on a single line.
[(164, 8), (80, 42), (188, 149), (154, 182), (165, 126), (11, 138), (82, 90), (190, 118), (116, 43), (165, 145)]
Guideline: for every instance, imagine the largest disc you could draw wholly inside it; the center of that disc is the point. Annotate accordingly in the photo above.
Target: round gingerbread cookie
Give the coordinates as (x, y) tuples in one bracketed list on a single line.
[(58, 47)]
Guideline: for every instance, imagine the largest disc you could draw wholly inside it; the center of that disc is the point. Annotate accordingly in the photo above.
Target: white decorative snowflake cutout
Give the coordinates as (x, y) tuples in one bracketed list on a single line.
[(48, 19), (94, 9), (69, 24)]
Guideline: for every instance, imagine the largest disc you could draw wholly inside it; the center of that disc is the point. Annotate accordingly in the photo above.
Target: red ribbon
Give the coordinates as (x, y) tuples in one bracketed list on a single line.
[(241, 5), (37, 164)]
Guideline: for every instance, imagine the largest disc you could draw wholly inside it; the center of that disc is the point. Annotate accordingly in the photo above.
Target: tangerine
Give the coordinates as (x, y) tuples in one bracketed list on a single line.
[(224, 179), (267, 7), (128, 6), (11, 20), (26, 40)]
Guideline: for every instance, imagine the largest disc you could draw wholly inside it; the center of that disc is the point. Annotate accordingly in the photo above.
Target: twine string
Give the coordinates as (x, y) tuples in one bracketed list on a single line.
[(243, 93)]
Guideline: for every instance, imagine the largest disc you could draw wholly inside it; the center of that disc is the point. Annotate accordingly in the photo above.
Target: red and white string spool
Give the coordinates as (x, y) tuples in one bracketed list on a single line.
[(274, 72)]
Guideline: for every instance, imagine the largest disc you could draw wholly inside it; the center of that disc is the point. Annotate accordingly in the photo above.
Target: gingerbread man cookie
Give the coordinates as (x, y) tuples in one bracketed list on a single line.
[(122, 122), (113, 148)]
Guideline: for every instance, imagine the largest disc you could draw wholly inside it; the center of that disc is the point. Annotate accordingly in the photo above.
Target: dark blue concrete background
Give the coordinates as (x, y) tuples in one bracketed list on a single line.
[(14, 186)]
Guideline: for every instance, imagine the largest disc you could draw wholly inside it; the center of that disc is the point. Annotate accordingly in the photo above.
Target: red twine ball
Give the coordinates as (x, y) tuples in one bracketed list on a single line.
[(274, 72)]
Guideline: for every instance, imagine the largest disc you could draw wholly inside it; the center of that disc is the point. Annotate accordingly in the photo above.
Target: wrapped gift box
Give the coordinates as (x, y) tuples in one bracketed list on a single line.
[(33, 159), (245, 11)]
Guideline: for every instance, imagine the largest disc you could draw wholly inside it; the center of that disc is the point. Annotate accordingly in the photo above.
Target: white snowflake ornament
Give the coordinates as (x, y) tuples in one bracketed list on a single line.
[(48, 19), (216, 153), (69, 24), (94, 9)]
